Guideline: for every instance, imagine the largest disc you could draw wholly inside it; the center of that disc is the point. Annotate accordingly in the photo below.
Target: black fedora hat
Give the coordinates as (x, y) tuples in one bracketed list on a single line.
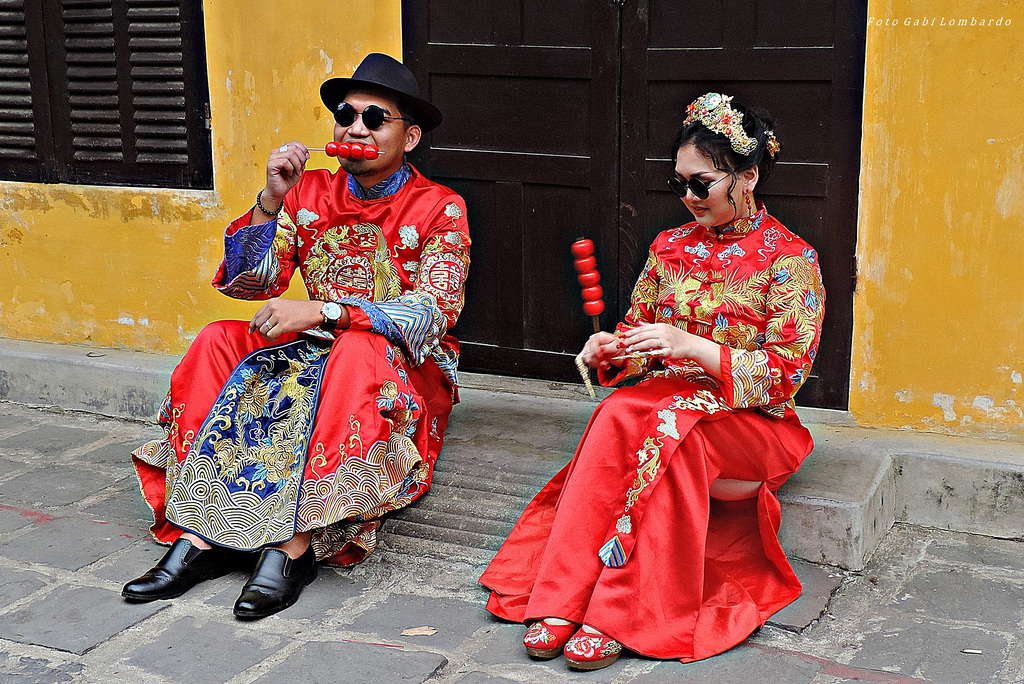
[(388, 74)]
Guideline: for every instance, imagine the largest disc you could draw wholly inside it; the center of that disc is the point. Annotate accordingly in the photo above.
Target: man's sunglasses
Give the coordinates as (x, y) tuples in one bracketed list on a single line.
[(373, 116), (699, 188)]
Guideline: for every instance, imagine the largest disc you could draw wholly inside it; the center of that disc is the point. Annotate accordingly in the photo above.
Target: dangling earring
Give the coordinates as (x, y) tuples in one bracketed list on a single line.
[(751, 208)]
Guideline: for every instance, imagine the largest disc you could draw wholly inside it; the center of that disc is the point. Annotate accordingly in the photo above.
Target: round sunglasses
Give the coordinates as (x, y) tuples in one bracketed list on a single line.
[(373, 116), (699, 188)]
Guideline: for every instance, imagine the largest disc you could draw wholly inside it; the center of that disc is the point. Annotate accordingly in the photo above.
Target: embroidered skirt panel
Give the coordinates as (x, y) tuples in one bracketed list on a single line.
[(263, 440)]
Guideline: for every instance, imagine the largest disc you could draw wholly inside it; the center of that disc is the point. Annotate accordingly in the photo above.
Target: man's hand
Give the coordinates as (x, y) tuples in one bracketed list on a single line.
[(284, 169), (279, 316)]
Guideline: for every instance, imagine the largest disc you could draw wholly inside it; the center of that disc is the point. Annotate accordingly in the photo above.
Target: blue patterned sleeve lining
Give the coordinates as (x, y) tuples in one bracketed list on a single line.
[(250, 265), (413, 321), (247, 248)]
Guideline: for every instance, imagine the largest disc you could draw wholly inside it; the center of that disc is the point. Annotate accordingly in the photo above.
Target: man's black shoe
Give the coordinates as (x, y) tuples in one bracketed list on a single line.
[(181, 568), (275, 584)]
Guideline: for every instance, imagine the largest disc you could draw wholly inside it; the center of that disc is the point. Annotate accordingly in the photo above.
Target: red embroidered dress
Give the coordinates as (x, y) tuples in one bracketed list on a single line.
[(315, 431), (626, 537)]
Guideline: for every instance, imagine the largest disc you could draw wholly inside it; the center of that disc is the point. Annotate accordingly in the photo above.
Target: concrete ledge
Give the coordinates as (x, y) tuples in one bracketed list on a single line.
[(110, 382), (511, 434)]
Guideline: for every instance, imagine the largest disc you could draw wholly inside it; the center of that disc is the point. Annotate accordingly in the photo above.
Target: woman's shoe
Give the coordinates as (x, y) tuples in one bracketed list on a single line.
[(545, 640), (586, 651), (275, 584), (180, 569)]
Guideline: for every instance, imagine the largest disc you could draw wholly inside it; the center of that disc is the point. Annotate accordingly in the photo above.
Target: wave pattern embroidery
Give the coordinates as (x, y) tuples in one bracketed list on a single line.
[(239, 485)]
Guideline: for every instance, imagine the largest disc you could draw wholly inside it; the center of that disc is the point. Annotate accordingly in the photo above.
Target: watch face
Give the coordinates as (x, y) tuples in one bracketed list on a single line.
[(331, 311)]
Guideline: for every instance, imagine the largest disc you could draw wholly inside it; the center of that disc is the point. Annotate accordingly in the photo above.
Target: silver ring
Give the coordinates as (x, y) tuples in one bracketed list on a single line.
[(266, 324), (283, 148), (660, 343)]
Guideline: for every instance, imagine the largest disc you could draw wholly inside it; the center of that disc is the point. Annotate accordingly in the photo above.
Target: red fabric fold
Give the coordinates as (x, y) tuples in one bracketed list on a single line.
[(703, 574)]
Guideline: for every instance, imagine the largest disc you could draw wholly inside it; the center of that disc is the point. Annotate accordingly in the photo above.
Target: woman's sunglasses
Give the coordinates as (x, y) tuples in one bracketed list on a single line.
[(699, 188), (373, 116)]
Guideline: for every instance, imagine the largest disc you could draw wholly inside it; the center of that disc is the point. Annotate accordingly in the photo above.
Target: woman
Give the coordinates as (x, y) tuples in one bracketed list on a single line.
[(660, 535)]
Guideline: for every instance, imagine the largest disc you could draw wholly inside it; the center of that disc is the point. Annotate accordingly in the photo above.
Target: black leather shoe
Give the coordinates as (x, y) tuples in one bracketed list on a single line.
[(275, 584), (181, 568)]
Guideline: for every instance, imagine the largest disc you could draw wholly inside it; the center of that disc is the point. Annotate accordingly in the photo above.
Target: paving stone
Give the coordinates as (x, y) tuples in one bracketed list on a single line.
[(17, 584), (454, 620), (25, 670), (328, 591), (506, 648), (70, 543), (54, 486), (331, 662), (118, 452), (188, 651), (51, 440), (14, 518), (10, 418), (981, 551), (7, 466), (819, 583), (74, 619), (136, 559), (484, 678), (957, 595), (123, 503), (931, 650), (741, 665)]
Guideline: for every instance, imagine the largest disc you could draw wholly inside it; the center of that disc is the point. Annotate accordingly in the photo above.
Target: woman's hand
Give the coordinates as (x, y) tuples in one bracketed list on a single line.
[(671, 342), (279, 316), (600, 348)]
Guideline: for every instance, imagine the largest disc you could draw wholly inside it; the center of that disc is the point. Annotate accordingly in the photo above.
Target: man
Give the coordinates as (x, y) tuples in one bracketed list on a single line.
[(297, 431)]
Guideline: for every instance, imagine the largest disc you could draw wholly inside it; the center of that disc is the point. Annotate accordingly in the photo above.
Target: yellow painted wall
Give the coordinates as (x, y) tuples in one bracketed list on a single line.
[(939, 310), (939, 318), (131, 267)]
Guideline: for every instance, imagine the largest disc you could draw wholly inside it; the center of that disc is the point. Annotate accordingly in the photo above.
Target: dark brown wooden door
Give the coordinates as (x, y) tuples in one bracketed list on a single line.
[(559, 116)]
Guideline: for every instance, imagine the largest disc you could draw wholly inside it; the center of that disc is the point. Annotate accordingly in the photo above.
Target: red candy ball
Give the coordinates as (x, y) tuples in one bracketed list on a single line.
[(357, 151), (331, 149), (344, 150), (589, 279), (591, 294), (593, 308), (582, 248), (585, 264), (371, 152)]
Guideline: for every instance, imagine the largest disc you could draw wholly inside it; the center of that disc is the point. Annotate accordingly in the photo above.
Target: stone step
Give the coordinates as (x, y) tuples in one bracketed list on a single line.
[(510, 435)]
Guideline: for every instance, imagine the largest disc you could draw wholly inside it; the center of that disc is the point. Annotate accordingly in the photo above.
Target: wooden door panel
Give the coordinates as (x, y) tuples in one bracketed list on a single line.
[(802, 62), (530, 139), (559, 118)]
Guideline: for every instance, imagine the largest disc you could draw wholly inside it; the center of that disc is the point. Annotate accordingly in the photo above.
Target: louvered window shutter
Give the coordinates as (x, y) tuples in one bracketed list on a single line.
[(127, 93), (19, 138)]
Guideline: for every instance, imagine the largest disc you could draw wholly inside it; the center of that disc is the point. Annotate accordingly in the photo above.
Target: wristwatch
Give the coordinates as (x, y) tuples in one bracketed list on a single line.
[(331, 311)]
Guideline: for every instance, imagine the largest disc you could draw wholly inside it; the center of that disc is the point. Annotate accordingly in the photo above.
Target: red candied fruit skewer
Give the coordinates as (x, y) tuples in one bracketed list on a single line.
[(589, 279)]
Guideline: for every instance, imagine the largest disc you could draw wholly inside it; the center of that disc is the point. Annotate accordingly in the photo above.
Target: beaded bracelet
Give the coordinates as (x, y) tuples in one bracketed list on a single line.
[(259, 205)]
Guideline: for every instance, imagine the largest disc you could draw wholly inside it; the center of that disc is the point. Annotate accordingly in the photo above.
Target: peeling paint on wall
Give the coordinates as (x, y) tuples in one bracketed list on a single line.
[(944, 402), (938, 314)]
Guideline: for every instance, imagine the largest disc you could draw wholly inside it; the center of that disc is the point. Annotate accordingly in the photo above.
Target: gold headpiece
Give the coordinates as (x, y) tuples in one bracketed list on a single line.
[(716, 114)]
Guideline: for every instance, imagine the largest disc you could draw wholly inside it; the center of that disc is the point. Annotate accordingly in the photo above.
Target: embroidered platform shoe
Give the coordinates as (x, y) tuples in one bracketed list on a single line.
[(544, 640), (591, 651)]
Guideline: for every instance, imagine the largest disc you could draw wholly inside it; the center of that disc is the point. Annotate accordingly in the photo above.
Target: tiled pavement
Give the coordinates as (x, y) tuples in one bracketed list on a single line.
[(73, 529)]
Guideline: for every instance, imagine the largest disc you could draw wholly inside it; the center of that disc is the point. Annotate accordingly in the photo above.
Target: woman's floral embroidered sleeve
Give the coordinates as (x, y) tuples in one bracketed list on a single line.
[(796, 305), (258, 260), (642, 308), (417, 320)]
